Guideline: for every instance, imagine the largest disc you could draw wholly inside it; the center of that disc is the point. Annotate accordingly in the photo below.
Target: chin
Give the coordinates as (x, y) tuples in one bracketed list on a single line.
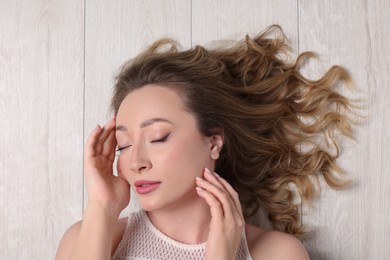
[(149, 204)]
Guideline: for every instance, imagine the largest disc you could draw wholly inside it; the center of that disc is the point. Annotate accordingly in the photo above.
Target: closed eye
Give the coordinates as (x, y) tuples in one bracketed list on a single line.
[(161, 140), (121, 148)]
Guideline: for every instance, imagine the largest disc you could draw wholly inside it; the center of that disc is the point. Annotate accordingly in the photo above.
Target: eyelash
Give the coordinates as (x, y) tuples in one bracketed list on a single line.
[(121, 148), (161, 140)]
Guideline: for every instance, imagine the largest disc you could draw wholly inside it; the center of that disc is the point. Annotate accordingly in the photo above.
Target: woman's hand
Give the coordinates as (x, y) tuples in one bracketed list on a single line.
[(227, 221), (108, 195), (105, 191)]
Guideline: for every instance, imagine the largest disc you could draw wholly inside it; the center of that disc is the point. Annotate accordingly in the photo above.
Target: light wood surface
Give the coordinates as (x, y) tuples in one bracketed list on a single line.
[(57, 64), (353, 224), (41, 136)]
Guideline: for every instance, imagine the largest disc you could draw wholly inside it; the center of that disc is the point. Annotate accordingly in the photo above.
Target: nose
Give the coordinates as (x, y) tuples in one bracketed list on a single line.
[(139, 161)]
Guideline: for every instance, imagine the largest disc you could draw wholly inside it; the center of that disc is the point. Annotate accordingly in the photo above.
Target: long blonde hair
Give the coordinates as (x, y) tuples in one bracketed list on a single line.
[(280, 128)]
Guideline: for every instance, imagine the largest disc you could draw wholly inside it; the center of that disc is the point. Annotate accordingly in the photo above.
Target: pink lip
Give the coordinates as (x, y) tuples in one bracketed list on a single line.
[(145, 186)]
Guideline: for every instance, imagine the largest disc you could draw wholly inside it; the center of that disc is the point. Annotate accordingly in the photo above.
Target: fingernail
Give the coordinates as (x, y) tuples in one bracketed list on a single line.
[(199, 189), (211, 173), (198, 179)]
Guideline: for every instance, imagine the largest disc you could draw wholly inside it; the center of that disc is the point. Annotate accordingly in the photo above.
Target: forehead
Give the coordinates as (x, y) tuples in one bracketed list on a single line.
[(153, 101)]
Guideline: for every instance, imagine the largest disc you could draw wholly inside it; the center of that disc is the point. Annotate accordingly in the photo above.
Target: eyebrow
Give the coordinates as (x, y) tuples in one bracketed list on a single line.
[(146, 123)]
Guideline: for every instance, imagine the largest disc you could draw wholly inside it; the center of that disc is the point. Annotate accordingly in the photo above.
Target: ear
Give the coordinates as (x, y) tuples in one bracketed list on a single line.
[(216, 144)]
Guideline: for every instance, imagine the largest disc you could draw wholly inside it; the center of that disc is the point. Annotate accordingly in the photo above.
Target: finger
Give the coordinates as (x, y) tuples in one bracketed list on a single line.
[(104, 134), (224, 185), (223, 212), (216, 180), (212, 178), (233, 193), (216, 208), (109, 146), (90, 147), (231, 205), (220, 194)]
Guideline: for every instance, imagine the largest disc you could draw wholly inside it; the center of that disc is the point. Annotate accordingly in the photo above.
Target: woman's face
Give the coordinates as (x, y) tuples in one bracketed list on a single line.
[(161, 149)]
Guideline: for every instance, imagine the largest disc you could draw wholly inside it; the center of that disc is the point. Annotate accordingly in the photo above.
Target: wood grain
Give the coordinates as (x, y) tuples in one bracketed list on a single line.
[(41, 102), (352, 224), (47, 112), (224, 20)]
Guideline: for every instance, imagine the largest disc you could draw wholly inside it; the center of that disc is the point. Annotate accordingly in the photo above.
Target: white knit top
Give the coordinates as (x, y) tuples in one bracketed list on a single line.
[(142, 240)]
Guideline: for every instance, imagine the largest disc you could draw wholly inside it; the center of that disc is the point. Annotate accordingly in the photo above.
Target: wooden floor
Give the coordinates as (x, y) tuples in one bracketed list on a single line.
[(57, 63)]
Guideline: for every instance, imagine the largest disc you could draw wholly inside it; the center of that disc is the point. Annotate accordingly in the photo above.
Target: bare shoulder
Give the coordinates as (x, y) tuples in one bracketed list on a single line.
[(264, 244), (69, 238), (67, 242)]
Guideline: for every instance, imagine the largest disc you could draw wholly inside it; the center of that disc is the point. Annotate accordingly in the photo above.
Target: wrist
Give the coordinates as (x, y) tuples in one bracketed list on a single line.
[(95, 238), (106, 211)]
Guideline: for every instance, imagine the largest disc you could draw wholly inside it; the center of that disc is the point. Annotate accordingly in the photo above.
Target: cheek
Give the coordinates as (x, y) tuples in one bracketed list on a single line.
[(190, 157)]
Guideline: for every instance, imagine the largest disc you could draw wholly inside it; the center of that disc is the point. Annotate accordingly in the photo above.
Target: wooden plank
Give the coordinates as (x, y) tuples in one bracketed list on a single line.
[(41, 103), (117, 31), (352, 224), (225, 20)]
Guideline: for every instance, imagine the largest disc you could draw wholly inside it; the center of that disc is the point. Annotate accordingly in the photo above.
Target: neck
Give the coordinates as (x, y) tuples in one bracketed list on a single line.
[(187, 224)]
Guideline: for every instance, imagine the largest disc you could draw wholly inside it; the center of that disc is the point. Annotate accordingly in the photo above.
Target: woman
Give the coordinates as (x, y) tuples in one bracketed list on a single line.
[(182, 117)]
